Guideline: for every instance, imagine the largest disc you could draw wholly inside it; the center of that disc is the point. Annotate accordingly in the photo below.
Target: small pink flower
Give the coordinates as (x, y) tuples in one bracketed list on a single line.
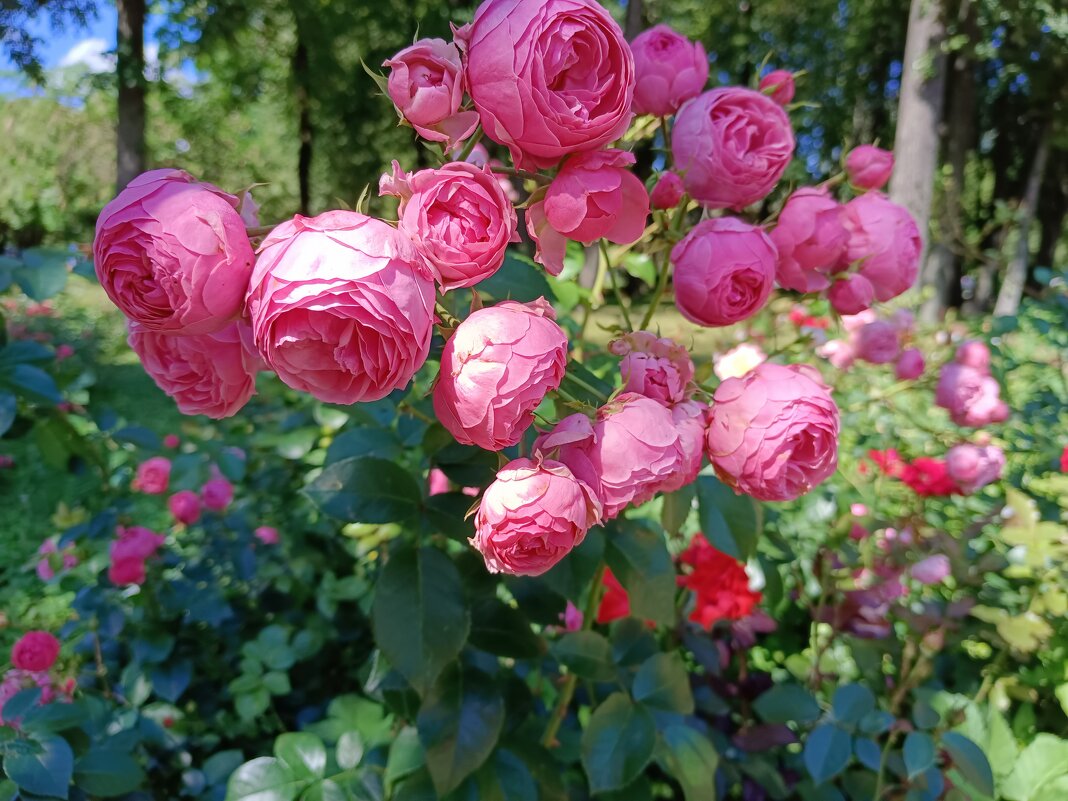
[(135, 542), (910, 365), (153, 476), (878, 343), (932, 570), (268, 535), (884, 243), (124, 572), (869, 167), (668, 191), (972, 467), (171, 441), (185, 507), (779, 86), (438, 482), (36, 651), (63, 351), (974, 353), (217, 493), (572, 617)]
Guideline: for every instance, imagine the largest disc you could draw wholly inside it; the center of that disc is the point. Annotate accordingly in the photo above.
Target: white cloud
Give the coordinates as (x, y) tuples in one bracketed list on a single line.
[(90, 53)]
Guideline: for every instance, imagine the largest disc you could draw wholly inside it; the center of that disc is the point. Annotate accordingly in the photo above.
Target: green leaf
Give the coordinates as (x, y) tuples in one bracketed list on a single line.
[(1043, 760), (868, 752), (632, 642), (277, 683), (663, 683), (366, 490), (640, 560), (446, 513), (107, 772), (32, 381), (251, 705), (786, 703), (504, 777), (419, 615), (586, 654), (304, 754), (730, 521), (618, 743), (852, 702), (349, 750), (827, 752), (689, 758), (972, 763), (405, 757), (586, 386), (43, 272), (517, 279), (919, 753), (44, 767), (9, 407), (364, 441), (499, 629), (264, 779), (676, 509), (459, 723)]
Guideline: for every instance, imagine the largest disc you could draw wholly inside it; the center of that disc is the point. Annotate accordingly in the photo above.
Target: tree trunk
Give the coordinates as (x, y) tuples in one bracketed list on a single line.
[(301, 79), (919, 115), (635, 19), (130, 71), (1012, 286), (1051, 213)]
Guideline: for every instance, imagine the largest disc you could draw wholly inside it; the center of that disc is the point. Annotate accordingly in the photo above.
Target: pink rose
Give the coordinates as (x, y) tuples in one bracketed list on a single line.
[(878, 343), (773, 434), (135, 542), (550, 246), (724, 271), (668, 191), (426, 84), (691, 423), (153, 476), (173, 254), (480, 157), (341, 306), (171, 441), (495, 369), (36, 651), (657, 368), (838, 352), (732, 146), (210, 374), (217, 493), (851, 294), (548, 77), (971, 396), (458, 218), (185, 507), (854, 322), (884, 241), (810, 239), (869, 167), (972, 467), (670, 70), (268, 535), (932, 570), (532, 516), (124, 572), (63, 352), (910, 365), (974, 353), (437, 482), (571, 441), (779, 86), (595, 196)]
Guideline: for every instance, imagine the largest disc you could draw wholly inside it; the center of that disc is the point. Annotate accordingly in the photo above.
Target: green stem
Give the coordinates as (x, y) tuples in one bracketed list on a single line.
[(574, 379), (615, 288), (543, 180), (658, 293), (469, 145), (883, 759)]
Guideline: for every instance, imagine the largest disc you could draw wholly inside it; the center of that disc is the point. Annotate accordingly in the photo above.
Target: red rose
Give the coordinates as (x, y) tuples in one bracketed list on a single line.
[(616, 603), (36, 651), (719, 582)]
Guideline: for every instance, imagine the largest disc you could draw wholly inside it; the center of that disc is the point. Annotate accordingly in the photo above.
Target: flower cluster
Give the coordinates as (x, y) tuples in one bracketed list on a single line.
[(968, 391)]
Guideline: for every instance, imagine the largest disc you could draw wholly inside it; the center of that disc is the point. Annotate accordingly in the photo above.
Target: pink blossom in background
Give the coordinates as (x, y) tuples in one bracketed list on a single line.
[(972, 467), (217, 493), (184, 507), (779, 86), (974, 354), (171, 441), (153, 476), (35, 651), (878, 342), (572, 617), (670, 70), (63, 352), (932, 570), (910, 365), (738, 361), (268, 535)]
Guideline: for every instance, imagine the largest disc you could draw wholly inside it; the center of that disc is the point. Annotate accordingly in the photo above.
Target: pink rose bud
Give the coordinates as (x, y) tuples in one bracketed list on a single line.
[(657, 368), (773, 434), (341, 306), (932, 570), (738, 361), (838, 352), (495, 369), (217, 493), (724, 271), (36, 651), (910, 365), (974, 353), (971, 396), (572, 617), (210, 374), (548, 77), (153, 476), (437, 482), (885, 241), (851, 295), (532, 516), (732, 145), (972, 467), (670, 69), (595, 196), (858, 533), (173, 254), (869, 167), (135, 542), (185, 507), (810, 239), (124, 572), (878, 342), (63, 352), (668, 191), (779, 86), (171, 441), (426, 84), (458, 217), (268, 535)]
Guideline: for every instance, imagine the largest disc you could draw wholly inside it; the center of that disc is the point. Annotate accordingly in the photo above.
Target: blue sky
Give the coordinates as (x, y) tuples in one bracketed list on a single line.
[(57, 44)]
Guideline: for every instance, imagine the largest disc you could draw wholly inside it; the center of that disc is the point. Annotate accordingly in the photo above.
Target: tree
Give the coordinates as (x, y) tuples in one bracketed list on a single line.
[(130, 75)]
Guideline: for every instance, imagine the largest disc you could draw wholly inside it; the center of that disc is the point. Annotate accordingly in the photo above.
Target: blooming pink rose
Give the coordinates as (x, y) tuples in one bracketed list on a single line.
[(738, 361), (885, 241), (480, 157), (810, 239), (595, 196), (123, 572), (217, 493), (35, 651), (971, 396), (773, 434), (972, 467), (910, 365), (495, 369), (869, 167), (532, 516), (268, 535), (571, 441), (210, 374), (851, 294), (550, 246), (426, 84), (838, 352), (135, 542), (655, 367), (932, 570), (779, 86), (732, 146), (878, 343), (173, 254), (171, 441), (341, 306), (670, 70), (548, 77), (458, 218), (185, 507), (153, 476), (691, 422), (974, 353), (668, 191), (724, 271)]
